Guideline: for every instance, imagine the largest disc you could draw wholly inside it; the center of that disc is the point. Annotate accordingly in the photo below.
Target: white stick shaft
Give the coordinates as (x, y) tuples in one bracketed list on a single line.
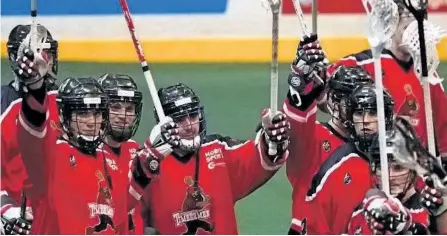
[(299, 13), (153, 92), (429, 116), (314, 16), (274, 66), (33, 32), (381, 123)]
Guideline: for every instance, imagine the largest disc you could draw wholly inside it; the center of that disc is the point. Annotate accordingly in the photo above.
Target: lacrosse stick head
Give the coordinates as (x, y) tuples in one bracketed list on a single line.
[(408, 150), (383, 18), (272, 5), (417, 7), (411, 43)]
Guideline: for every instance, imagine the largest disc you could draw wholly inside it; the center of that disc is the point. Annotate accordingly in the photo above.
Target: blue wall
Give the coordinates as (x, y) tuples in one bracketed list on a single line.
[(110, 7)]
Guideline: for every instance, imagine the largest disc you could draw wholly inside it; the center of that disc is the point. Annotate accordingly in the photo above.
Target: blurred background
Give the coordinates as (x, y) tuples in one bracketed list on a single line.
[(221, 48)]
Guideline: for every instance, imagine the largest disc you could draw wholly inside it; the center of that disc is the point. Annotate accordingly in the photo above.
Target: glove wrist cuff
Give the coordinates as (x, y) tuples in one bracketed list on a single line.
[(5, 208)]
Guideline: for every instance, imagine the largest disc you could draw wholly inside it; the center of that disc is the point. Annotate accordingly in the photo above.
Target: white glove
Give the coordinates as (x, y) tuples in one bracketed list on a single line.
[(32, 67), (164, 137), (12, 223)]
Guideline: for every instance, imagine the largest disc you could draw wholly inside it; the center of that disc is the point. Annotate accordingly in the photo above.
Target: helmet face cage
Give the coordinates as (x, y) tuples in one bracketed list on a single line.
[(73, 112), (17, 40), (181, 104), (120, 131), (362, 103)]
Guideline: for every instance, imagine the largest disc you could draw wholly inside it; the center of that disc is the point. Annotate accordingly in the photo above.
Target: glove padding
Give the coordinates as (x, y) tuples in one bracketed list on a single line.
[(432, 198), (309, 65), (13, 223), (163, 138), (276, 134), (31, 68), (385, 214)]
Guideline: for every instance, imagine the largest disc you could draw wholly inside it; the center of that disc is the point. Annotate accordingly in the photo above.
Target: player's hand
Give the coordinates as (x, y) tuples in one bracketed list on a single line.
[(432, 198), (163, 138), (310, 64), (385, 214), (143, 167), (12, 223), (276, 134), (31, 67)]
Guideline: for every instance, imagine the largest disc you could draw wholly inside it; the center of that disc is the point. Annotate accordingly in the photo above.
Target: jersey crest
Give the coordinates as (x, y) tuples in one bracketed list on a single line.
[(410, 107), (195, 213), (326, 145)]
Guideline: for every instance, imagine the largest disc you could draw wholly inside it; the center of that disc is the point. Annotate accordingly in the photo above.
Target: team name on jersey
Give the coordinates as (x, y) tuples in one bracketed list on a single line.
[(112, 164), (100, 209), (214, 158), (183, 217)]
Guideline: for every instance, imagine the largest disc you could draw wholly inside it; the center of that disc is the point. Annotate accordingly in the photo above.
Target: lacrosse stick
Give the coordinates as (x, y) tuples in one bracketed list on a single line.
[(142, 59), (422, 44), (33, 30), (382, 22), (314, 16), (409, 152), (23, 205)]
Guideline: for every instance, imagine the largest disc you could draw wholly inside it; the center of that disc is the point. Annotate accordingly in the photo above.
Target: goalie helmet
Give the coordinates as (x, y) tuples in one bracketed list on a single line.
[(20, 36), (363, 101), (180, 102), (341, 84), (123, 123), (78, 97)]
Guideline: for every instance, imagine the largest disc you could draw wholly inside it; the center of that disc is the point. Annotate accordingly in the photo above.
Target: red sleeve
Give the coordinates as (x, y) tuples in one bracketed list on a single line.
[(302, 139), (248, 167), (356, 223), (439, 106), (32, 142)]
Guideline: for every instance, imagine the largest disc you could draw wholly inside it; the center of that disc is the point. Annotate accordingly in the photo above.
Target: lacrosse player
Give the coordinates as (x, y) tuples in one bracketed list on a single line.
[(205, 175), (126, 104), (307, 153), (403, 83), (400, 213), (14, 178), (343, 179)]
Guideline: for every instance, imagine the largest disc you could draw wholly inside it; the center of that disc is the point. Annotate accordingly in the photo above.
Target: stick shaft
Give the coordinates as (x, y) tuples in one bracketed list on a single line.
[(299, 13), (314, 16), (142, 59), (381, 122), (33, 31), (274, 65)]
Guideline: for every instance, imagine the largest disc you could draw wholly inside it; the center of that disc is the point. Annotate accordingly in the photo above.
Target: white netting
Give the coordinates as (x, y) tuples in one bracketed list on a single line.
[(271, 5), (383, 18), (410, 39)]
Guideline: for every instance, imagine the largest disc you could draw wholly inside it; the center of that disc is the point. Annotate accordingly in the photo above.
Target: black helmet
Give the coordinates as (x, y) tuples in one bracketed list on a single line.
[(345, 79), (363, 99), (79, 96), (178, 102), (16, 39), (122, 88)]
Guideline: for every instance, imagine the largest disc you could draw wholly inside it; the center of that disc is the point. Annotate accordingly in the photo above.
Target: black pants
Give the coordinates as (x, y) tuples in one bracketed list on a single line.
[(194, 225), (104, 220)]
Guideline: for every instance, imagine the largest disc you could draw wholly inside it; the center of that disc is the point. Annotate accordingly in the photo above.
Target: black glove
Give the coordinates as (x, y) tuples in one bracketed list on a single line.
[(13, 223), (276, 130), (309, 65)]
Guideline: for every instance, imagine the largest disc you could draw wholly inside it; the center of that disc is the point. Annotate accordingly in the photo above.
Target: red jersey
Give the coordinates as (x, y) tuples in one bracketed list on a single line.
[(125, 155), (337, 188), (406, 89), (13, 174), (228, 171), (70, 191), (419, 214), (311, 144)]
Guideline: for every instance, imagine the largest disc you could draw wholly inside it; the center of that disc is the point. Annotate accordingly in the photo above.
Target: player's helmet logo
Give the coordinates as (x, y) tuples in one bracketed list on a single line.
[(103, 208), (195, 210), (326, 145)]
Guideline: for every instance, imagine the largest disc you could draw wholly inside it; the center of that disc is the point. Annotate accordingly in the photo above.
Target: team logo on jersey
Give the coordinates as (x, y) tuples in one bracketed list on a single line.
[(347, 179), (410, 107), (54, 126), (326, 145), (72, 160), (195, 211), (102, 208)]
